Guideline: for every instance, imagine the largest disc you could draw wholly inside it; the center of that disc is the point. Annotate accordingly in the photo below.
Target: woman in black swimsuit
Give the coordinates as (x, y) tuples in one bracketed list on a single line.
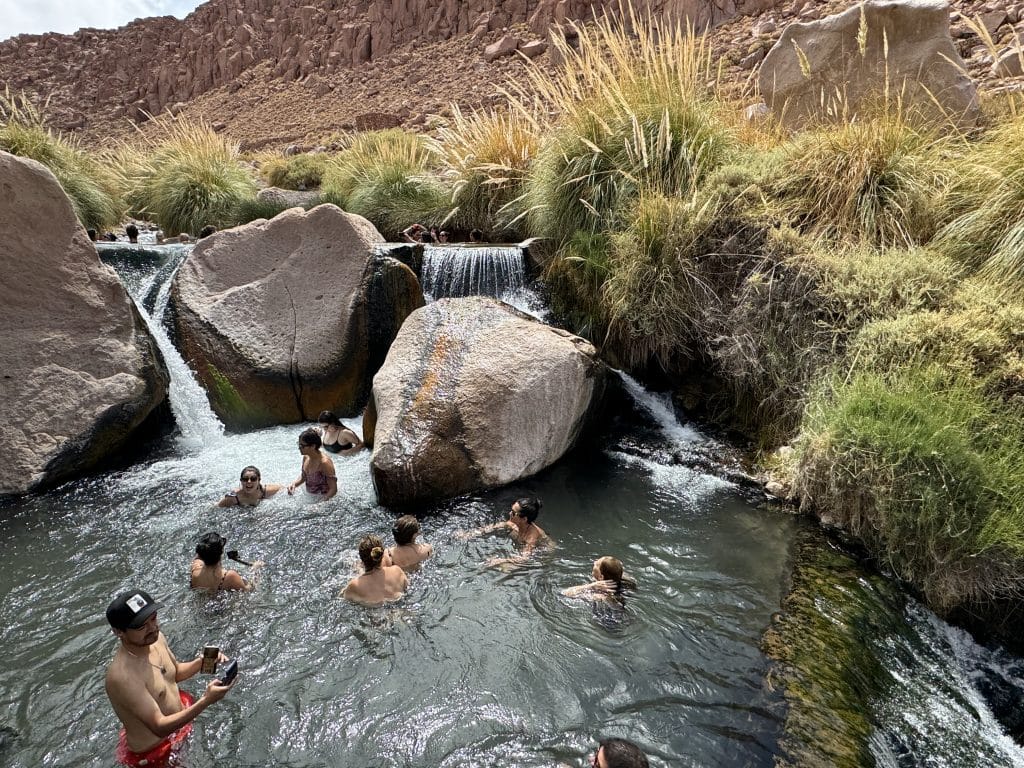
[(252, 491), (207, 571), (336, 437)]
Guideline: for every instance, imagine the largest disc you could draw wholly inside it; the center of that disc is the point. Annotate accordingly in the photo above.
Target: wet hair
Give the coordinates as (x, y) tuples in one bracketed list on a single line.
[(92, 234), (621, 753), (310, 437), (206, 231), (328, 417), (252, 469), (610, 568), (371, 552), (210, 548), (529, 507), (132, 232), (405, 529)]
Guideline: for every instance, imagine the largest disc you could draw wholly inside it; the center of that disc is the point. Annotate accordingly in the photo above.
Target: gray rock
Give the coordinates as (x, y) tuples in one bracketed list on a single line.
[(813, 61), (475, 394), (1009, 64), (79, 370), (284, 318), (504, 47)]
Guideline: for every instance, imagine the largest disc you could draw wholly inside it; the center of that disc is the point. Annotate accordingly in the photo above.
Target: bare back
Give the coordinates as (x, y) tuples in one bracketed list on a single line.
[(409, 556), (135, 686), (381, 585)]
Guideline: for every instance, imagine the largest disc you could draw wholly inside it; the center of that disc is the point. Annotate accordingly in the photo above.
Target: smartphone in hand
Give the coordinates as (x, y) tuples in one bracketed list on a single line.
[(229, 673), (211, 653)]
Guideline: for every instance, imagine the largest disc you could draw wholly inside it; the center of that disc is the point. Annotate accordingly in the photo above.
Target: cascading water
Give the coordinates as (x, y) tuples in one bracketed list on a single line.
[(147, 274), (452, 271)]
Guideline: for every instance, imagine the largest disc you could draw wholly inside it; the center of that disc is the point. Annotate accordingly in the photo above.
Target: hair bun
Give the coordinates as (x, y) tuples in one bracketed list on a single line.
[(377, 553)]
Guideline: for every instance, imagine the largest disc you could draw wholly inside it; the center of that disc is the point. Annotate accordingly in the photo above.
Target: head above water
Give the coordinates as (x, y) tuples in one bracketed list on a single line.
[(371, 552), (310, 438), (132, 232), (619, 753), (248, 472), (405, 529), (476, 236), (529, 507), (609, 568), (131, 609), (328, 417), (210, 548)]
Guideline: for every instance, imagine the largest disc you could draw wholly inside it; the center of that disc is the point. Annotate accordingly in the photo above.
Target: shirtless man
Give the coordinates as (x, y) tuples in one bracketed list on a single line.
[(381, 583), (521, 526), (142, 684), (407, 554)]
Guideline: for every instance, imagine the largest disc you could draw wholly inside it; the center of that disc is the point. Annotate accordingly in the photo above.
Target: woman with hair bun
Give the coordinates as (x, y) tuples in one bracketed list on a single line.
[(609, 582), (380, 583)]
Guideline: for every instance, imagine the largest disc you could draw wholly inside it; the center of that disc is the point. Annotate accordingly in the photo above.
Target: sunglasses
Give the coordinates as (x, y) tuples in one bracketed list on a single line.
[(252, 479)]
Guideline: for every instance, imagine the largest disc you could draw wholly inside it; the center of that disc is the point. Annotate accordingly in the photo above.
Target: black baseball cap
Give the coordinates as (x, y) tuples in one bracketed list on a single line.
[(131, 609)]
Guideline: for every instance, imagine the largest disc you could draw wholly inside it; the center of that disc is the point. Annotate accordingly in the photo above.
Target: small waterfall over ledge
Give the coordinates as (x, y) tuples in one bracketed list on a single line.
[(147, 273), (454, 271)]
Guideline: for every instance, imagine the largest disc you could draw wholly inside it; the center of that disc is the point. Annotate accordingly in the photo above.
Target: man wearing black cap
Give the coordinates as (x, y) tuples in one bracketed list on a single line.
[(142, 683)]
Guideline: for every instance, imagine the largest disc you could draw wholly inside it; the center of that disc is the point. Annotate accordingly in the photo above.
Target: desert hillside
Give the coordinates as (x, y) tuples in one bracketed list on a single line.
[(271, 73)]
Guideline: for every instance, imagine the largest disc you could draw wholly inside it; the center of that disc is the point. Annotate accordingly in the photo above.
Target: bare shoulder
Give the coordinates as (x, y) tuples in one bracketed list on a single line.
[(328, 465), (234, 580)]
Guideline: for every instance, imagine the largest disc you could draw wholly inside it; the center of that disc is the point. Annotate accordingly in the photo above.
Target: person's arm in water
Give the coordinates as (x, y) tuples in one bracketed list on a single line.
[(271, 488), (332, 478), (229, 499), (300, 480), (234, 580), (483, 530), (132, 696), (593, 589)]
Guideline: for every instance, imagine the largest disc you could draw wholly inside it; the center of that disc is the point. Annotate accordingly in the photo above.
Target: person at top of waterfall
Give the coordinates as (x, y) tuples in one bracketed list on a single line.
[(92, 234), (142, 684), (208, 572), (416, 233), (407, 553), (523, 528), (381, 583), (252, 491), (132, 232), (443, 236), (609, 582), (206, 231), (476, 236), (336, 437), (317, 470)]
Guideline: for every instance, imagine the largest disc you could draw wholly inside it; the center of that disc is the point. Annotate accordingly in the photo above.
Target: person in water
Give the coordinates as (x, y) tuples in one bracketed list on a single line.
[(207, 571), (523, 528), (317, 470), (618, 753), (252, 491), (380, 583), (336, 437), (142, 684), (407, 554), (132, 233), (609, 581)]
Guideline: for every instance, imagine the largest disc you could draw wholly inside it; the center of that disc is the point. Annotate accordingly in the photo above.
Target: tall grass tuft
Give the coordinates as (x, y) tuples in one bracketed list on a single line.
[(305, 171), (485, 157), (190, 177), (988, 200), (634, 114), (89, 182), (929, 473), (876, 181), (386, 176)]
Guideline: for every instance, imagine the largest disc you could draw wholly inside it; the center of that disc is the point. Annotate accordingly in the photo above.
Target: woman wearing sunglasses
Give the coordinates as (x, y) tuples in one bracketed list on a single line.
[(252, 491), (317, 472)]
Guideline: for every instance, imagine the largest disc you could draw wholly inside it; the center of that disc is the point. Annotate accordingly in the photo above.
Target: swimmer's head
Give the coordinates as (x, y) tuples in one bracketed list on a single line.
[(527, 507), (619, 753), (310, 438), (371, 552), (210, 548), (328, 417), (405, 529), (250, 473), (608, 568)]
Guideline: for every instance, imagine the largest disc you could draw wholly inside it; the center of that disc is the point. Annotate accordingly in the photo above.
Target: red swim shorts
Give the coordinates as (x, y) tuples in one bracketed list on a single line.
[(160, 755)]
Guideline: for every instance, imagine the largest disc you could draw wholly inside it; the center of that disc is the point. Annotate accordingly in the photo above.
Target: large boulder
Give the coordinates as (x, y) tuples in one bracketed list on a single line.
[(474, 394), (282, 319), (79, 370), (832, 68)]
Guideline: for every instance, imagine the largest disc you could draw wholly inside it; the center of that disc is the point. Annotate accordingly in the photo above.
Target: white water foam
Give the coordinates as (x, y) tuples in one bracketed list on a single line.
[(659, 406), (469, 270)]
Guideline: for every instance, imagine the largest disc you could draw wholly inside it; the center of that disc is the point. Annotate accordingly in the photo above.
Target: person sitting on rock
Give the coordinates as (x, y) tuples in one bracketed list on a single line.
[(609, 582), (207, 571), (132, 233), (407, 554), (521, 526), (380, 583), (317, 473), (252, 491), (415, 233), (336, 437)]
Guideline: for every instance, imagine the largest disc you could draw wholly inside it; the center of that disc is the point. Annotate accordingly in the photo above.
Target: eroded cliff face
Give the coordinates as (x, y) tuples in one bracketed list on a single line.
[(163, 63)]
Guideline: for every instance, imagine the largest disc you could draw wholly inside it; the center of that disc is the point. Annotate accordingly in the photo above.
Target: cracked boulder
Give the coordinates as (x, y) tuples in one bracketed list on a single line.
[(282, 319), (474, 394), (80, 374)]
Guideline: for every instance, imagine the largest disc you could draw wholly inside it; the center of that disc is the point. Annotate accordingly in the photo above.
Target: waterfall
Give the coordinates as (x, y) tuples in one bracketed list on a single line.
[(472, 270), (660, 409), (147, 274)]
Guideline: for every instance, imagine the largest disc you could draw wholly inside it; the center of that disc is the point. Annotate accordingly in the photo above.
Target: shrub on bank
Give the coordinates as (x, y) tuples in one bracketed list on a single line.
[(305, 171), (928, 472), (387, 177), (190, 177), (89, 183)]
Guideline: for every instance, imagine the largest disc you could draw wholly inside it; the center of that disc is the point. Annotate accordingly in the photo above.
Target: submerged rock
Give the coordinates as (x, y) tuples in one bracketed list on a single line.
[(282, 319), (79, 371), (474, 394)]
